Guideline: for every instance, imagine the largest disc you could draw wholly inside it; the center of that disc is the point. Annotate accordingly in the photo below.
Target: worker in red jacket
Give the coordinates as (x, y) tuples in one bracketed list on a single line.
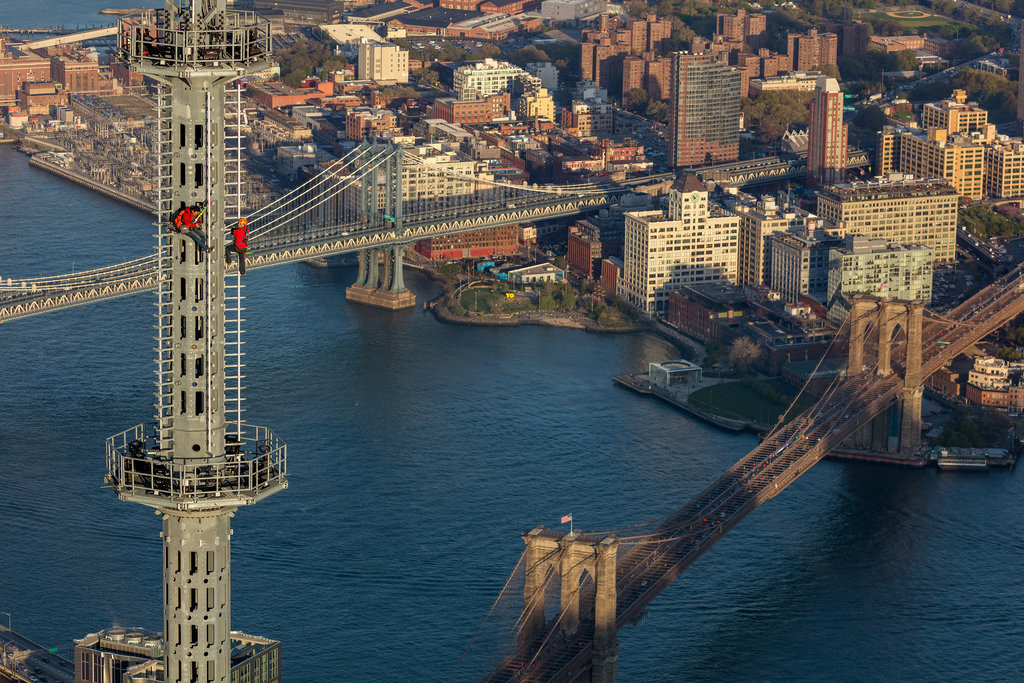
[(241, 235), (187, 222)]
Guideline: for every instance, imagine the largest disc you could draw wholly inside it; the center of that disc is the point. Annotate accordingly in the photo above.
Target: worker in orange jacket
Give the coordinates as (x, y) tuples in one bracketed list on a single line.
[(240, 233)]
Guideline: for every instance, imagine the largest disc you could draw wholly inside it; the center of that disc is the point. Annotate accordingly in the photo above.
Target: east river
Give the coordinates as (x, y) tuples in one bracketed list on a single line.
[(418, 454)]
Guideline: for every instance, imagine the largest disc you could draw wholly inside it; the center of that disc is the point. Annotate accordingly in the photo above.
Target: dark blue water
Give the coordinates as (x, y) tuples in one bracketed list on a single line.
[(30, 13), (419, 452)]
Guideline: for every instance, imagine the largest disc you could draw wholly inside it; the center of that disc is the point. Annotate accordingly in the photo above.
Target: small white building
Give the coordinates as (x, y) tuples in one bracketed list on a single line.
[(291, 158), (572, 10), (670, 373), (546, 72), (540, 272), (489, 77)]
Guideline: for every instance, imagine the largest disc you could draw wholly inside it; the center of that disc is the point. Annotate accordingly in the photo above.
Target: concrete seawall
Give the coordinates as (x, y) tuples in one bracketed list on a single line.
[(641, 385), (442, 313), (86, 181)]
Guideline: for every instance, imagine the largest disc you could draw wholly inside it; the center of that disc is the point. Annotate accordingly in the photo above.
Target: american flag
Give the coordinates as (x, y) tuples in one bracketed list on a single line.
[(566, 518)]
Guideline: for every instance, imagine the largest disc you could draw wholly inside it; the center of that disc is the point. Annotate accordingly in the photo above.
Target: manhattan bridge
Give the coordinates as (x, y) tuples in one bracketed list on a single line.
[(200, 460)]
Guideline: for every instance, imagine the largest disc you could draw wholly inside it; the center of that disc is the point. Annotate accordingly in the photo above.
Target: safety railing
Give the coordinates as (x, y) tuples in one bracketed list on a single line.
[(153, 37), (254, 466)]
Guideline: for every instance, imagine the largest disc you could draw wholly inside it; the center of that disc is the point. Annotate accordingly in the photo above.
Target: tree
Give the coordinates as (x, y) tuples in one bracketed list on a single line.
[(871, 118), (830, 70), (973, 47), (772, 113), (529, 54), (546, 303), (637, 99), (906, 60), (657, 111), (426, 77), (569, 300), (743, 353), (997, 95), (488, 50), (930, 92), (451, 52), (636, 8)]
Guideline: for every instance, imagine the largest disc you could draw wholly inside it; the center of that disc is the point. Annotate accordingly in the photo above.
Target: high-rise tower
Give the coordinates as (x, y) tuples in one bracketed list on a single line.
[(704, 122), (826, 135), (1020, 84), (199, 461)]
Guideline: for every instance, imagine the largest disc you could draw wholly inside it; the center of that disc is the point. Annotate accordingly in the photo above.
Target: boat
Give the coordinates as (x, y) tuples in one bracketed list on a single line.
[(318, 262), (955, 462)]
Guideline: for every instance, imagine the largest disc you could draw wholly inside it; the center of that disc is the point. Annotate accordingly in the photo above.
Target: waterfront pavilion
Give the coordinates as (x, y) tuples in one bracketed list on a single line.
[(670, 373)]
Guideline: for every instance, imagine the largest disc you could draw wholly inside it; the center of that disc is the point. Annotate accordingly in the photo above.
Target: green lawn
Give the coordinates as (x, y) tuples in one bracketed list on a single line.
[(754, 400), (930, 24), (480, 300)]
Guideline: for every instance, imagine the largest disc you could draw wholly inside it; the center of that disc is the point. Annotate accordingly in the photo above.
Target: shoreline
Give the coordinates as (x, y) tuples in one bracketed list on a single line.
[(537, 319), (89, 183)]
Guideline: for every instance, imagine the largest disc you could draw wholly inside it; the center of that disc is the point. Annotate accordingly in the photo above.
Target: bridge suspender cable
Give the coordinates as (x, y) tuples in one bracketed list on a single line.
[(320, 200), (339, 163), (85, 276), (487, 616)]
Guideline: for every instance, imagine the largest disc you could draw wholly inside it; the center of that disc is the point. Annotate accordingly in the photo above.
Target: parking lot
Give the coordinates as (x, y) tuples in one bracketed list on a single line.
[(949, 284)]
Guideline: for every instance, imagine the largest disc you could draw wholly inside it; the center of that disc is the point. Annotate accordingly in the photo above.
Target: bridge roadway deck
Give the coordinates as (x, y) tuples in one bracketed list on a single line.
[(752, 172), (19, 657), (287, 246), (647, 569)]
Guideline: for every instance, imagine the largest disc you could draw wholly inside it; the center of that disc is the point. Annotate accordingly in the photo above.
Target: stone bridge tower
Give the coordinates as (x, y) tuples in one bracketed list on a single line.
[(883, 325), (572, 557)]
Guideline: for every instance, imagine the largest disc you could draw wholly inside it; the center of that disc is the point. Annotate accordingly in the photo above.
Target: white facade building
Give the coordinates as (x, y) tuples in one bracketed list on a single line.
[(694, 243), (546, 72), (382, 62), (572, 10), (489, 77)]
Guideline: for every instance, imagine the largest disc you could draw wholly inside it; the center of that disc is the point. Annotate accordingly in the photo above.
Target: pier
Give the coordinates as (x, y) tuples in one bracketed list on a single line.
[(642, 385)]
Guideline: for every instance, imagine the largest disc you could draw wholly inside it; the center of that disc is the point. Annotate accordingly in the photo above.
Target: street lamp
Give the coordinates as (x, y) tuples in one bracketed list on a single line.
[(9, 657)]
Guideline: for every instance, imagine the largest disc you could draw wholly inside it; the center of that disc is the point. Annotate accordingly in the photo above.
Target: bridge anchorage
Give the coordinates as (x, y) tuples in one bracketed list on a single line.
[(199, 461), (893, 330)]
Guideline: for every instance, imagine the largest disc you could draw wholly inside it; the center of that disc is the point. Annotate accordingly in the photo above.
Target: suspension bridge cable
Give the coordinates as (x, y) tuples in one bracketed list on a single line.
[(528, 608), (342, 162), (792, 403), (554, 627), (316, 193), (81, 274), (487, 616), (320, 199), (57, 286)]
